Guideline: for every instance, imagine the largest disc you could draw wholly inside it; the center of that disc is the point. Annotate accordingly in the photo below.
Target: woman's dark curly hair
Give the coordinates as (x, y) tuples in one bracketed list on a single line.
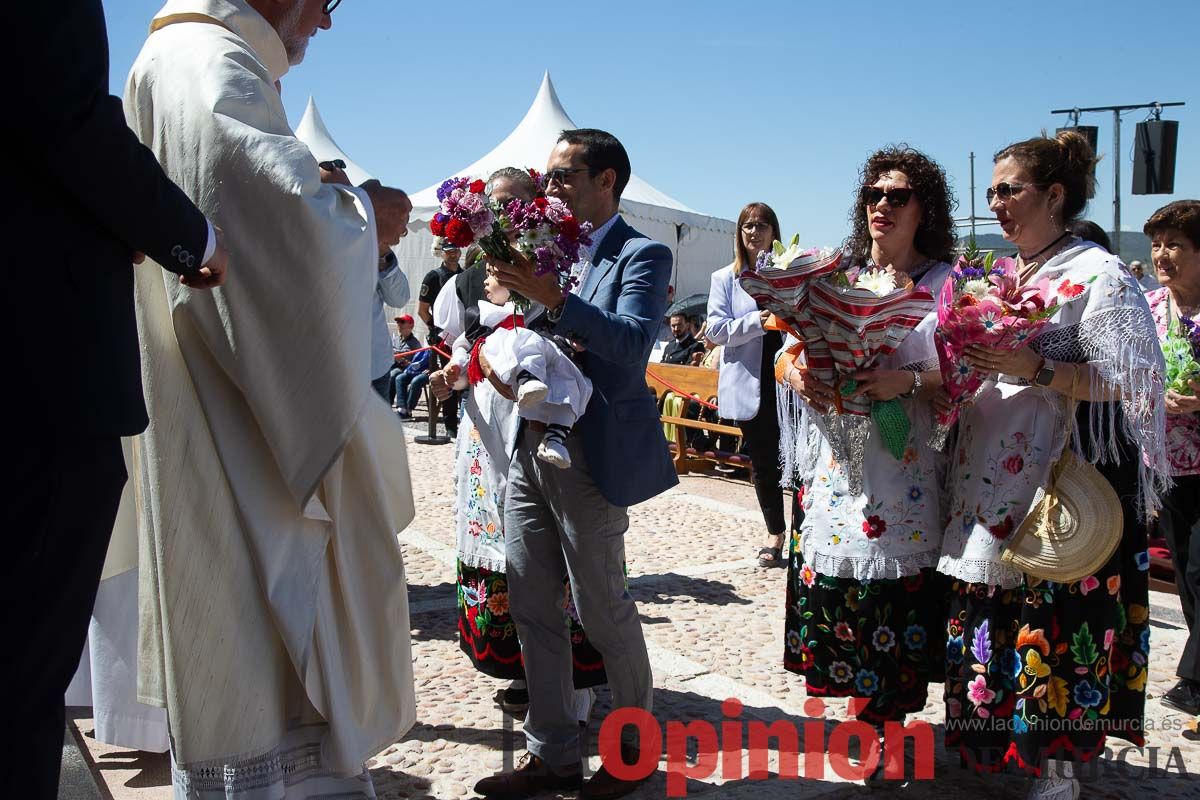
[(936, 235)]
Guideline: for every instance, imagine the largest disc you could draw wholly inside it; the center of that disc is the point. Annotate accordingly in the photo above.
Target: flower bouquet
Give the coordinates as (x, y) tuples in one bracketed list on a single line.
[(468, 216), (780, 279), (542, 231), (863, 315), (547, 233), (1181, 351), (982, 303)]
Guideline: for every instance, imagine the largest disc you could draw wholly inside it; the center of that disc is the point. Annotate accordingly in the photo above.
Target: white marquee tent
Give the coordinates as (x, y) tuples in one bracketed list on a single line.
[(700, 243)]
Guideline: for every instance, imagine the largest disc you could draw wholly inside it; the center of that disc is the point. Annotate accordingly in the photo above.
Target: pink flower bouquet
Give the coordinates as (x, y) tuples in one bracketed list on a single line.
[(982, 303), (543, 231)]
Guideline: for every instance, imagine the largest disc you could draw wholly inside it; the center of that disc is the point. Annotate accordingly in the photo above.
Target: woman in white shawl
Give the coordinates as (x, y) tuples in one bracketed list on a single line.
[(1041, 671), (864, 610), (486, 631)]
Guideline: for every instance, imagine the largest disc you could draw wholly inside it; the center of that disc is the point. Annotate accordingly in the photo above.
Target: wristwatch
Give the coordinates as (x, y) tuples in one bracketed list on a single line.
[(1045, 374), (916, 384)]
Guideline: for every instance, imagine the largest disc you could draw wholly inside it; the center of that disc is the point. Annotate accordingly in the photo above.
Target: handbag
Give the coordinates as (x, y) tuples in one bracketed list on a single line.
[(1076, 526)]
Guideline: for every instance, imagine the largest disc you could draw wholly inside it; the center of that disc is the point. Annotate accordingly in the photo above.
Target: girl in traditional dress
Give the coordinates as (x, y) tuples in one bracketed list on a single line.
[(1039, 673), (487, 633), (864, 609)]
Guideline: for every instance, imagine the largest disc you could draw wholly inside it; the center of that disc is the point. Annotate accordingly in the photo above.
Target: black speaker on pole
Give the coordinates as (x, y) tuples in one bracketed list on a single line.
[(1154, 156), (1089, 132)]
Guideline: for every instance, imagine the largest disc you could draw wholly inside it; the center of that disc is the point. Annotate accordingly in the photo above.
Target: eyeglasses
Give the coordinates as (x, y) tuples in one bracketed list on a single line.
[(561, 174), (1005, 191), (329, 6), (897, 198), (751, 227)]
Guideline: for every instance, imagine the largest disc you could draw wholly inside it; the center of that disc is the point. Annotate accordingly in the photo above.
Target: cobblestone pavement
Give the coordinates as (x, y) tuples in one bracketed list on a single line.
[(713, 622)]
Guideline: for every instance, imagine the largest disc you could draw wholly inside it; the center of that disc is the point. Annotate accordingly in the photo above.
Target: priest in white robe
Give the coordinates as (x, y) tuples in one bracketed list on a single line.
[(272, 481)]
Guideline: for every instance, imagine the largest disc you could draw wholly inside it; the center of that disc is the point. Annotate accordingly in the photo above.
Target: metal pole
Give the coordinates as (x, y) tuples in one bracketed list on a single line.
[(1116, 237), (972, 195)]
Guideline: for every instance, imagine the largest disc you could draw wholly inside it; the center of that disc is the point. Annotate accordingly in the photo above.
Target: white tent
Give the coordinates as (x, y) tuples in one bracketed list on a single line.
[(700, 243)]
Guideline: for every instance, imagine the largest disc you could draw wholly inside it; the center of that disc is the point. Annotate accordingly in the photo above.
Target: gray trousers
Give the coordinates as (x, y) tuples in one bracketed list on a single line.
[(556, 520)]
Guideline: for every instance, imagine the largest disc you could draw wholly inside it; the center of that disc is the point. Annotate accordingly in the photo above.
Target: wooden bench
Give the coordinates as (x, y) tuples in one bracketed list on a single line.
[(698, 382)]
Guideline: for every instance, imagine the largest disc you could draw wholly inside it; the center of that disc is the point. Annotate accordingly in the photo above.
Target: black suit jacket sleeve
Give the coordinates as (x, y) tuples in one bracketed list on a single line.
[(68, 122)]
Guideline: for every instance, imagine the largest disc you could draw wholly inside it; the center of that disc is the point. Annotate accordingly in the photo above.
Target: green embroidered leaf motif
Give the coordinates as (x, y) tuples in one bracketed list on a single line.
[(1083, 647)]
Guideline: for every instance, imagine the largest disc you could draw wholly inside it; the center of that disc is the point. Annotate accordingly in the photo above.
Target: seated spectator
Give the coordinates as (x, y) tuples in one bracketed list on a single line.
[(684, 346), (404, 341), (409, 383)]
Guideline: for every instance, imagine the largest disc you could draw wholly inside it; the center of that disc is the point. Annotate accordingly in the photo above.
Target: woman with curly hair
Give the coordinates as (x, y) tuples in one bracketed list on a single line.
[(1039, 672), (864, 608)]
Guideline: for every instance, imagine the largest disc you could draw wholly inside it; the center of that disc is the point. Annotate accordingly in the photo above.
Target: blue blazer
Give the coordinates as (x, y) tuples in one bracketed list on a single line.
[(615, 316)]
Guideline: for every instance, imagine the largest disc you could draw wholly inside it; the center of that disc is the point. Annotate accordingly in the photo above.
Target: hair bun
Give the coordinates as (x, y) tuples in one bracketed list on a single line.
[(1078, 159)]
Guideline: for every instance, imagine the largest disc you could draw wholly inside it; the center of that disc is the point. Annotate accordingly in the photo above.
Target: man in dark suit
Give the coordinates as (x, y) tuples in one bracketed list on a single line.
[(684, 346), (92, 201), (574, 520)]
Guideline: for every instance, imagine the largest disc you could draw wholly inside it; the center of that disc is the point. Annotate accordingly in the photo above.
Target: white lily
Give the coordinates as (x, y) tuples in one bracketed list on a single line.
[(879, 282)]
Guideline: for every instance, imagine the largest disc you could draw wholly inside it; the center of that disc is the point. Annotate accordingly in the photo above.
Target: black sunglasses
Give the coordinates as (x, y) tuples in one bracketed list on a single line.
[(329, 6), (561, 174), (897, 198), (1005, 191)]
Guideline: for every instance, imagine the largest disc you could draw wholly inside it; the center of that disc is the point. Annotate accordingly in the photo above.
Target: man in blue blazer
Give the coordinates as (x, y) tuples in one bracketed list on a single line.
[(574, 520)]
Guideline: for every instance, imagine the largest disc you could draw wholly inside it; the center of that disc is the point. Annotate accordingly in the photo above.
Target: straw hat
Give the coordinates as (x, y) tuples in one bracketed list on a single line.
[(1075, 527)]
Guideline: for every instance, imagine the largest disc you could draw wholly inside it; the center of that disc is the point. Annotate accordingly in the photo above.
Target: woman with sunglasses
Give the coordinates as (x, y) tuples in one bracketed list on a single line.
[(747, 353), (863, 608), (1038, 673)]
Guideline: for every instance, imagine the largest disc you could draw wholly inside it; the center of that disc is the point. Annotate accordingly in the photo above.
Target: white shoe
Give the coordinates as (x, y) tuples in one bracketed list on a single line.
[(554, 452), (531, 393)]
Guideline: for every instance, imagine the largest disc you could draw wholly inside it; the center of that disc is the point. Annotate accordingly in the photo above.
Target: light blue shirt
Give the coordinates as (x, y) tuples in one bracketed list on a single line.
[(587, 254), (391, 288)]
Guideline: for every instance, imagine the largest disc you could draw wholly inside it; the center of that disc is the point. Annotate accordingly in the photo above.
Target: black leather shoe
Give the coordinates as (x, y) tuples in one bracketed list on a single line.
[(603, 786), (1185, 697), (530, 777)]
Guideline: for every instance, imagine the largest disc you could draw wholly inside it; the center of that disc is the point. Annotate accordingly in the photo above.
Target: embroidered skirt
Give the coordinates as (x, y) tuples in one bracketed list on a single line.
[(878, 640), (1049, 670), (488, 635)]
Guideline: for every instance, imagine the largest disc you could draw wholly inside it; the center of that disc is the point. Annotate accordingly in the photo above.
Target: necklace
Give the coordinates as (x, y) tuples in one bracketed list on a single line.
[(1057, 239), (1031, 264)]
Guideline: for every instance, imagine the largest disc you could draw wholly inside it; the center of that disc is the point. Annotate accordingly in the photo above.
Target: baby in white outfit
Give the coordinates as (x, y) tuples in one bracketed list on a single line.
[(551, 391)]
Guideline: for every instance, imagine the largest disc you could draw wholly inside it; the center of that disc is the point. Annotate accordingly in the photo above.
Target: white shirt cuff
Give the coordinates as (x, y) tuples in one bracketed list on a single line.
[(211, 247)]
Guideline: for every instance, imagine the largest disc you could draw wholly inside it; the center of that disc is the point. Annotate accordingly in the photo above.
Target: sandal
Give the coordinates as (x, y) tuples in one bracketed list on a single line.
[(770, 557)]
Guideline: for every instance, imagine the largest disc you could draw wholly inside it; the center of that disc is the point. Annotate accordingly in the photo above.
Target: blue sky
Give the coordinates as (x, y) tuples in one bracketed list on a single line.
[(721, 103)]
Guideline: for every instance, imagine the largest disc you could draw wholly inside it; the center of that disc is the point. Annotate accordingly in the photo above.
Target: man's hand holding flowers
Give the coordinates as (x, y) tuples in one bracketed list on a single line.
[(521, 277)]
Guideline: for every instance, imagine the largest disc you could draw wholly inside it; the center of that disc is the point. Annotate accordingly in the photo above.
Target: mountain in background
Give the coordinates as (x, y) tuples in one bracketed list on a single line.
[(1135, 245)]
